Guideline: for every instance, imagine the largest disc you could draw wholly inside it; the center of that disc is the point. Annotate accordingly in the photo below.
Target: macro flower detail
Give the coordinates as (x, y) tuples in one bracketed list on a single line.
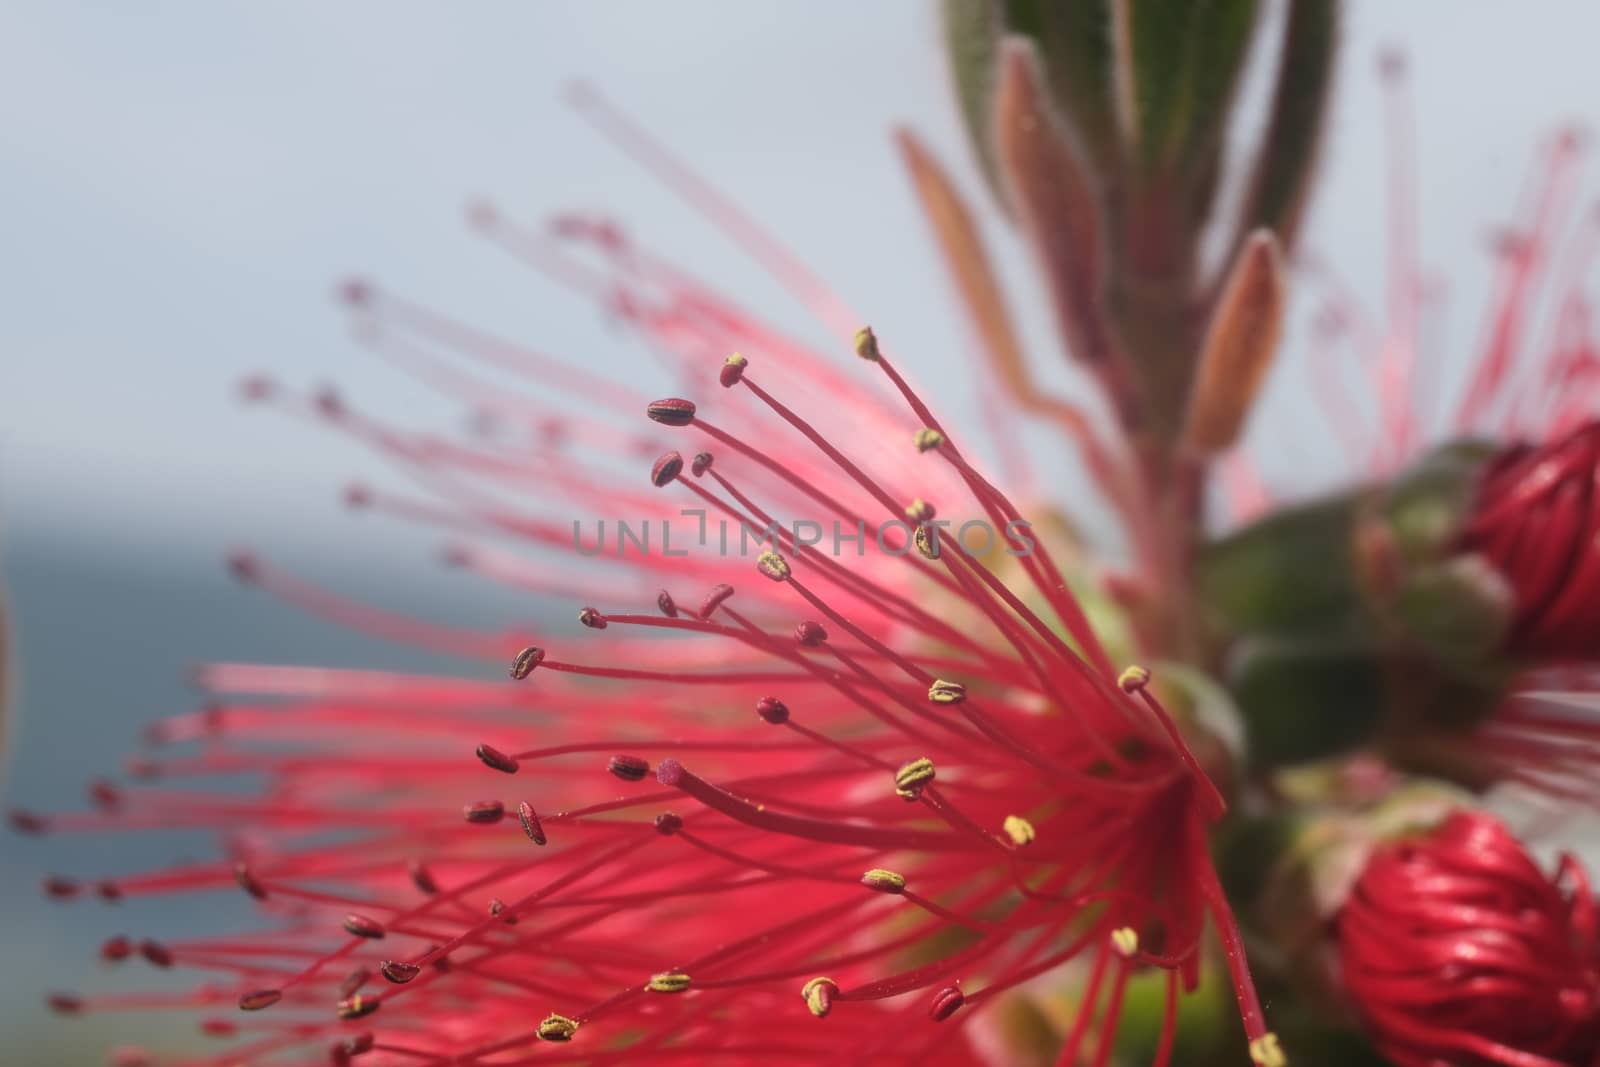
[(963, 825), (1455, 948)]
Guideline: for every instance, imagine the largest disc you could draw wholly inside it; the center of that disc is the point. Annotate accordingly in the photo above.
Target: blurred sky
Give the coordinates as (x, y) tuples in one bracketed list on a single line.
[(183, 183)]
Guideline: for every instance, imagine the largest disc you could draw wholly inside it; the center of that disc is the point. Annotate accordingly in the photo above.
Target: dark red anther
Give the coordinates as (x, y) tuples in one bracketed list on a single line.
[(671, 411), (732, 370), (248, 881), (145, 770), (116, 949), (218, 1028), (59, 888), (700, 464), (484, 811), (498, 910), (328, 402), (357, 292), (105, 795), (256, 388), (355, 1046), (244, 566), (526, 661), (666, 604), (592, 618), (422, 878), (810, 634), (156, 953), (492, 757), (628, 768), (668, 824), (26, 822), (715, 599), (261, 998), (110, 892), (530, 823), (946, 1003), (773, 710), (358, 1007), (354, 981), (64, 1003), (363, 926), (666, 470), (397, 972)]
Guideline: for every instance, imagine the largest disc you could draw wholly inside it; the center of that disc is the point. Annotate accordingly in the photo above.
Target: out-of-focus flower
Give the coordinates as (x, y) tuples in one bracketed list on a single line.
[(1440, 609), (1536, 521), (1455, 948)]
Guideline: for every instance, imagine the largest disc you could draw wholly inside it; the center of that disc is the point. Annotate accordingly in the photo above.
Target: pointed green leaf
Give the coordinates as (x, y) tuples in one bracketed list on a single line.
[(972, 31), (1282, 178)]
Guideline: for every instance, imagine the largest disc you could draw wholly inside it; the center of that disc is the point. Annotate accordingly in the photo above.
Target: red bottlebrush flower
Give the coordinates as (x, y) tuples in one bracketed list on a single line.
[(1536, 519), (1455, 948), (947, 792)]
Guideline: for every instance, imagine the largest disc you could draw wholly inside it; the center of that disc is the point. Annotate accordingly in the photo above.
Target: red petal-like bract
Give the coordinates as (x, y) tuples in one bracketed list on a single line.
[(1457, 949), (958, 796)]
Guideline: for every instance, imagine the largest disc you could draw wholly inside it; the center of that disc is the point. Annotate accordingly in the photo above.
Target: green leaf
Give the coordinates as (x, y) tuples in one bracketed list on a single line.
[(1282, 178), (1307, 701), (972, 30), (1293, 572)]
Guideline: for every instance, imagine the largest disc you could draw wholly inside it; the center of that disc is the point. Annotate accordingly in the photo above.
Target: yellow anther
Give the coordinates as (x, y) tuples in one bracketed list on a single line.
[(927, 439), (867, 344), (557, 1028), (943, 692), (884, 881), (920, 510), (1133, 679), (773, 566), (668, 982), (736, 360), (1020, 830), (357, 1007), (1264, 1051), (927, 542), (1125, 939), (818, 994), (909, 779)]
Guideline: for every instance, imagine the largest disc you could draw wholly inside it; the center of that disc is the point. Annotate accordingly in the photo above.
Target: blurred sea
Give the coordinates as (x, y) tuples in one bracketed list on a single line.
[(102, 642)]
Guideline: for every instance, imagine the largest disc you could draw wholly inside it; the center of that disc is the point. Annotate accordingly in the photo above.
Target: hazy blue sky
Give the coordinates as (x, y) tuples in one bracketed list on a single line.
[(184, 182)]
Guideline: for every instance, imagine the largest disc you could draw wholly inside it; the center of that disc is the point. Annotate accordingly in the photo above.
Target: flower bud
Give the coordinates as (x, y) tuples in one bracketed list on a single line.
[(1453, 944), (1536, 521)]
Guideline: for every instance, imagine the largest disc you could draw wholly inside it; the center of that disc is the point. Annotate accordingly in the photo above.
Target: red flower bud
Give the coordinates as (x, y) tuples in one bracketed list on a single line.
[(1536, 518), (1455, 948)]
